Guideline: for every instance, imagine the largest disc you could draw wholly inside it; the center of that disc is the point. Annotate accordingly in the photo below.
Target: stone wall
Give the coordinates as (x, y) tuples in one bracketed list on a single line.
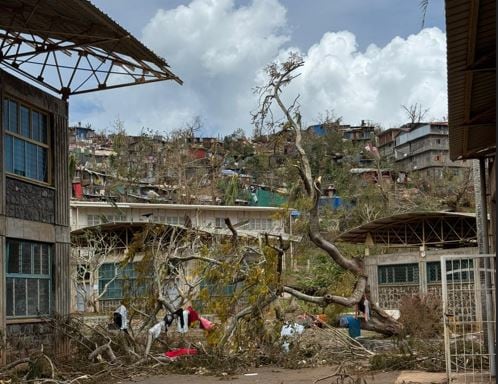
[(29, 201), (22, 339)]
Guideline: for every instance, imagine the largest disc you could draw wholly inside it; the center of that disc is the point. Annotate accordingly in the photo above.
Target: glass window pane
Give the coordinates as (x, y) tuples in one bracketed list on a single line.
[(35, 121), (42, 164), (43, 128), (20, 297), (45, 261), (12, 126), (5, 113), (19, 157), (13, 252), (10, 297), (36, 259), (9, 153), (31, 160), (32, 297), (26, 259), (44, 289), (24, 112)]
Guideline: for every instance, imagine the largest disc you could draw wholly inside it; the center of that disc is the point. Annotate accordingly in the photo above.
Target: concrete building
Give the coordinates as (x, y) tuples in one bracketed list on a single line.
[(45, 44), (424, 149), (403, 252), (387, 140), (131, 217)]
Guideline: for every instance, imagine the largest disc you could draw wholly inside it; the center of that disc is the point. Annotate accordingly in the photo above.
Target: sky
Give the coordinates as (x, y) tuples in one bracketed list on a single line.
[(363, 61)]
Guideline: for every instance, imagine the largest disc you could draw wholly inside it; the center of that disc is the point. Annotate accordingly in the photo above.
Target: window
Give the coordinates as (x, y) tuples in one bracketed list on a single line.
[(460, 270), (173, 220), (26, 141), (219, 222), (398, 274), (121, 281), (28, 282), (93, 220), (260, 224), (100, 219)]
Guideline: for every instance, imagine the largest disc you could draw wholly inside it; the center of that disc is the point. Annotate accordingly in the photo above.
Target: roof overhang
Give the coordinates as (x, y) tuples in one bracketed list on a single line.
[(434, 229), (471, 57), (71, 47)]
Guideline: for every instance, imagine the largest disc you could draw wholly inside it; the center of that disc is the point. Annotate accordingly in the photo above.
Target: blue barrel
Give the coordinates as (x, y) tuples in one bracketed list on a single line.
[(354, 327)]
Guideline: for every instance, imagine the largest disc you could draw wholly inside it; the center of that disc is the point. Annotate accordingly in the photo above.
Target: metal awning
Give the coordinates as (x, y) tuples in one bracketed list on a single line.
[(471, 56), (71, 47), (416, 229)]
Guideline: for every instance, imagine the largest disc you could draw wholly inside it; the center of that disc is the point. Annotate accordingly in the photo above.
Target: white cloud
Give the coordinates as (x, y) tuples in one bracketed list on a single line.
[(219, 50), (373, 85)]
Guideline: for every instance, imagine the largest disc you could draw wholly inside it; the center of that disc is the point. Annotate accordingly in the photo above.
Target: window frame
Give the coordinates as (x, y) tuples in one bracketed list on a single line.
[(390, 274), (128, 274), (41, 141), (464, 272), (20, 275)]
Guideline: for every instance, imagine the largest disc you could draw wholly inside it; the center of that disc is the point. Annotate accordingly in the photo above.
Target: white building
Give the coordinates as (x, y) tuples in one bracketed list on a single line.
[(248, 221)]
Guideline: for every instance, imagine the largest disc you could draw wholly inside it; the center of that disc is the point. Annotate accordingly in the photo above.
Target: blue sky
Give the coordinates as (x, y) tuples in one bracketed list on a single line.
[(363, 60)]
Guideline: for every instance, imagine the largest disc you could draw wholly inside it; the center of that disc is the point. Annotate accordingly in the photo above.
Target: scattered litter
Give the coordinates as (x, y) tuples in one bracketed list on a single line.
[(250, 374), (180, 352), (288, 332)]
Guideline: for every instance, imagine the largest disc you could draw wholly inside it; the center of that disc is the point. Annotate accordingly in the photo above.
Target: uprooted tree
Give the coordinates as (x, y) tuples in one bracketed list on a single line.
[(280, 75)]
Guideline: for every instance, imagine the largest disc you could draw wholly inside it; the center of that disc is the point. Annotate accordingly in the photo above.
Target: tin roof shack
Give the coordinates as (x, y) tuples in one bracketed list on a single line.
[(408, 248), (67, 47)]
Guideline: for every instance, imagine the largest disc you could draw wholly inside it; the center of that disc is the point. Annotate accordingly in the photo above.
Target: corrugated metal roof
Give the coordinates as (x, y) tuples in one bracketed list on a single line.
[(471, 57)]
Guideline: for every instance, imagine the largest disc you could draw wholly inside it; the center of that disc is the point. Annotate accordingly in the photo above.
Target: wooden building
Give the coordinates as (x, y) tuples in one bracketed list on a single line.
[(60, 49)]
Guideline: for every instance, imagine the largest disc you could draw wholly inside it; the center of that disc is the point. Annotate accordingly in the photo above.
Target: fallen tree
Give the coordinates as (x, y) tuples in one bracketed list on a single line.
[(278, 77)]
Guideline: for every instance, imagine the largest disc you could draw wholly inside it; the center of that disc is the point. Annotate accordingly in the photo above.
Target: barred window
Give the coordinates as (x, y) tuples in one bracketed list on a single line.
[(26, 143), (456, 270), (28, 280), (399, 273)]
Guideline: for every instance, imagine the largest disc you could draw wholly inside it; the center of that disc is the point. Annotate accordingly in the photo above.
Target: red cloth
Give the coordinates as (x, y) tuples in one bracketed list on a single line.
[(206, 324), (77, 190), (192, 316), (180, 352)]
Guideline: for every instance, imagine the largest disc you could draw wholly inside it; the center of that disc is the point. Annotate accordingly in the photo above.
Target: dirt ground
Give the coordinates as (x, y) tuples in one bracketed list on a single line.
[(264, 375)]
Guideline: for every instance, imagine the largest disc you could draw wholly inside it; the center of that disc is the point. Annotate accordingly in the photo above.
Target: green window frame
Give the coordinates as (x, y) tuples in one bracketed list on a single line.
[(123, 281), (461, 270), (26, 141), (28, 278), (395, 274)]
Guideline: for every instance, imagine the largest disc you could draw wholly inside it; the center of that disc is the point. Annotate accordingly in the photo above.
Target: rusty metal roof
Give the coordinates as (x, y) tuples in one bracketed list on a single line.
[(415, 229), (471, 58), (72, 47)]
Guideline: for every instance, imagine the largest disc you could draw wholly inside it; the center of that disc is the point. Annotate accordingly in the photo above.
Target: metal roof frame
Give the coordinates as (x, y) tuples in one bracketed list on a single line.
[(71, 47), (414, 229)]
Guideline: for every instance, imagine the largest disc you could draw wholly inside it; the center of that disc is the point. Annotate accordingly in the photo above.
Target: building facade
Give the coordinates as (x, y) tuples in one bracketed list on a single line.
[(34, 210), (424, 150), (131, 217)]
